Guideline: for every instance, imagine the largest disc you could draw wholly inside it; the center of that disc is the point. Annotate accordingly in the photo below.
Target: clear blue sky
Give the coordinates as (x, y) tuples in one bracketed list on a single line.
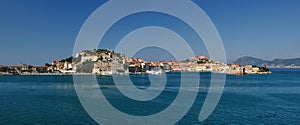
[(38, 31)]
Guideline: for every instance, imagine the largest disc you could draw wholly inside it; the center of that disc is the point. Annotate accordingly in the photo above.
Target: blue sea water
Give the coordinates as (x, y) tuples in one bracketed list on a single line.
[(247, 99)]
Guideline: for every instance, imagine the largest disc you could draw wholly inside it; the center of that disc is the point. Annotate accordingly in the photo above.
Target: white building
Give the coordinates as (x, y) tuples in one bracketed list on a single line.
[(86, 58)]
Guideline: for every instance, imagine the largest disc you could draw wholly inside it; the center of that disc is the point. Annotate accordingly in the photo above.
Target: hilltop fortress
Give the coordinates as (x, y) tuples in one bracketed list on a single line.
[(107, 62)]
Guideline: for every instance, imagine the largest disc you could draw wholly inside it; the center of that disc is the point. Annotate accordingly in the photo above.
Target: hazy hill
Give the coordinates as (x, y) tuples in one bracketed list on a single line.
[(247, 60)]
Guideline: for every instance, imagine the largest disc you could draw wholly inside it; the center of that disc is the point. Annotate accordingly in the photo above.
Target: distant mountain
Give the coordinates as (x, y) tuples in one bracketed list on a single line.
[(247, 60)]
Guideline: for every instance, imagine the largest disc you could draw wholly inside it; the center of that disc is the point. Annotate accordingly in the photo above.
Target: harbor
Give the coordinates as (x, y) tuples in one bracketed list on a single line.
[(108, 62)]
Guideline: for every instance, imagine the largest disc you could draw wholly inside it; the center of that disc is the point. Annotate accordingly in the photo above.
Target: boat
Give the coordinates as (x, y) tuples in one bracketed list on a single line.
[(157, 72)]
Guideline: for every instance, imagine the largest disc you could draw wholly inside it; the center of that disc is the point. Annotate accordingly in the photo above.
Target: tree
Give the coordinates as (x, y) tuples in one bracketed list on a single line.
[(76, 59), (70, 59), (4, 69), (47, 64), (263, 69), (201, 61)]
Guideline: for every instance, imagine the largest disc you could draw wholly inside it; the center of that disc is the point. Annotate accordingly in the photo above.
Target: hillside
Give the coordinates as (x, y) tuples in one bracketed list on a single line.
[(247, 60)]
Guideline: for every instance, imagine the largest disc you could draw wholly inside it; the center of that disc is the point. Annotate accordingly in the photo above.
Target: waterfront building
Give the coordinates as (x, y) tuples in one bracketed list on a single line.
[(20, 67), (166, 67), (55, 62), (106, 61), (67, 66), (39, 69), (50, 69), (57, 65), (135, 68)]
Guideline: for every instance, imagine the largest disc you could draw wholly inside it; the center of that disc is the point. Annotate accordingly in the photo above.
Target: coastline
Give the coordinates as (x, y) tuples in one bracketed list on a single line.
[(83, 74), (284, 67)]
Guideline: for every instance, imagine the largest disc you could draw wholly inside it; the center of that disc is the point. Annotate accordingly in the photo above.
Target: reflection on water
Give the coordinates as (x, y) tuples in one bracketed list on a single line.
[(251, 99)]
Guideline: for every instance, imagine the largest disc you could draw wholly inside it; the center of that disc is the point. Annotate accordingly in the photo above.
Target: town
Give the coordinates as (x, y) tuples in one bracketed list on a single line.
[(108, 62)]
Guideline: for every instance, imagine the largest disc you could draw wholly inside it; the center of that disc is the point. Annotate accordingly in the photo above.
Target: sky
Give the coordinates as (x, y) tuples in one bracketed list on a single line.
[(39, 31)]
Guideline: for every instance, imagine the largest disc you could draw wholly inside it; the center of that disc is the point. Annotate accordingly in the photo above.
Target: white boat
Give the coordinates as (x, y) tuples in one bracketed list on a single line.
[(155, 72)]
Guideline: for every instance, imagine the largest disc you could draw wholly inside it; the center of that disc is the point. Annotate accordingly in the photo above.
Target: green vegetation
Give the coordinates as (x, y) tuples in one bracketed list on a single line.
[(202, 61), (87, 67), (263, 69), (247, 60), (47, 64), (72, 59), (4, 69)]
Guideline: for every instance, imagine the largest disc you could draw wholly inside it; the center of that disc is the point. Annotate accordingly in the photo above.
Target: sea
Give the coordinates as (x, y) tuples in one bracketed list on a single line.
[(246, 99)]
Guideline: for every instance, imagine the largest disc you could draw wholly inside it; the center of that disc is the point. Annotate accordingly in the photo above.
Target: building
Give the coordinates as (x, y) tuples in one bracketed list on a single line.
[(55, 62), (175, 67), (200, 68), (135, 66), (109, 62), (20, 67), (87, 58), (196, 58), (255, 69), (236, 69), (1, 66), (57, 65), (234, 66), (166, 67), (39, 69), (68, 66)]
